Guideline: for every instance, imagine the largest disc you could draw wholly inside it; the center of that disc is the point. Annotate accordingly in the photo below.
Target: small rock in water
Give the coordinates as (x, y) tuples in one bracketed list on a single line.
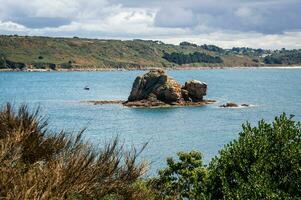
[(229, 105), (233, 105)]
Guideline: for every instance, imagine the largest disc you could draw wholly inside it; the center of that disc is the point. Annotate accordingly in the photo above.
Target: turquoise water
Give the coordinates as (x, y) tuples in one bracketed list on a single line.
[(167, 130)]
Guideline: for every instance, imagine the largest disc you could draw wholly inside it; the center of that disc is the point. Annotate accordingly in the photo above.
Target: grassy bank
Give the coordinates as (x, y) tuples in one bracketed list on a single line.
[(81, 53)]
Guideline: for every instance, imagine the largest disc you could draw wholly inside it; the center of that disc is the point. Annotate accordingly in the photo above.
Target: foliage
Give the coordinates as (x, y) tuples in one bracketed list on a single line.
[(196, 57), (2, 63), (248, 51), (264, 163), (2, 60), (213, 48), (5, 63), (188, 44), (182, 179), (284, 57), (38, 164), (35, 163), (97, 53)]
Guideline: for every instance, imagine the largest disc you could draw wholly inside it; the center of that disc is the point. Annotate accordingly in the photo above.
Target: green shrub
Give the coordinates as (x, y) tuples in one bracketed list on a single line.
[(263, 163), (182, 179)]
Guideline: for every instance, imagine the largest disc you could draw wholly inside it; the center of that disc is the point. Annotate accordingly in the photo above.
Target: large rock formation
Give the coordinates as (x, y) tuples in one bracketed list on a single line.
[(155, 88), (155, 85)]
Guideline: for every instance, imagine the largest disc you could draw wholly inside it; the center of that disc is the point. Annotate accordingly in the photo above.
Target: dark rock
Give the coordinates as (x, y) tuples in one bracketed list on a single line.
[(144, 103), (196, 89), (147, 104), (106, 102), (185, 95), (229, 105), (234, 105)]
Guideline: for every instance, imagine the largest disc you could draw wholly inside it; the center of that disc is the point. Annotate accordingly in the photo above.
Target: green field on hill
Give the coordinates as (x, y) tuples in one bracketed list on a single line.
[(31, 52)]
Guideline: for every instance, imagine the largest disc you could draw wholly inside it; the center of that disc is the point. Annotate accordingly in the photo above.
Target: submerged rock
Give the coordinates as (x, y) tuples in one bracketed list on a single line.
[(155, 88), (233, 105), (229, 105)]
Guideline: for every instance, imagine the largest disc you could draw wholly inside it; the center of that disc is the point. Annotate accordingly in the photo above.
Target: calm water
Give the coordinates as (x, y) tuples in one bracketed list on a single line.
[(168, 130)]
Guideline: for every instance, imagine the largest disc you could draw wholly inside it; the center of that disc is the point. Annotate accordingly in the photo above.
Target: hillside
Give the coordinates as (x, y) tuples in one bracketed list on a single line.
[(25, 52)]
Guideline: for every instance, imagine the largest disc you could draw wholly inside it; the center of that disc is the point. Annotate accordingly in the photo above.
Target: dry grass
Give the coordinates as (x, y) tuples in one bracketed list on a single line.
[(38, 164)]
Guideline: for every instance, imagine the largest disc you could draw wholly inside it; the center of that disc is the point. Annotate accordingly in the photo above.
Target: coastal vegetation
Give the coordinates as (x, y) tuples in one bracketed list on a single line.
[(286, 57), (32, 52), (262, 163), (195, 57), (213, 48), (36, 163)]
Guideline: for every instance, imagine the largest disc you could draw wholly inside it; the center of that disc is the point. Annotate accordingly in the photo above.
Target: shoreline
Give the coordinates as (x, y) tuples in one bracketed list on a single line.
[(145, 69)]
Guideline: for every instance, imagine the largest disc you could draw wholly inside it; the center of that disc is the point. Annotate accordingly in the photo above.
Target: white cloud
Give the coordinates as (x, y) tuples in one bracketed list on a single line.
[(289, 40), (258, 23), (11, 26)]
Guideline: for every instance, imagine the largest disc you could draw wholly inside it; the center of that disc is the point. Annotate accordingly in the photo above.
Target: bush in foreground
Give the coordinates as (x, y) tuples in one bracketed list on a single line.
[(38, 164), (264, 163), (182, 179)]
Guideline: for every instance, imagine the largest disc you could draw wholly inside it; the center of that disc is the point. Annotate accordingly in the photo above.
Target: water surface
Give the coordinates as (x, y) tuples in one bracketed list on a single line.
[(168, 130)]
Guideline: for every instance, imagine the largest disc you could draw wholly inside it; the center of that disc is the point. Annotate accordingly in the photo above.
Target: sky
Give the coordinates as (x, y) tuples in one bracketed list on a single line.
[(268, 24)]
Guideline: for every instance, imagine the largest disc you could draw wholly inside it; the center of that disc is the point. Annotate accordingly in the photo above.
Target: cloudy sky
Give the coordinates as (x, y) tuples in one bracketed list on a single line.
[(227, 23)]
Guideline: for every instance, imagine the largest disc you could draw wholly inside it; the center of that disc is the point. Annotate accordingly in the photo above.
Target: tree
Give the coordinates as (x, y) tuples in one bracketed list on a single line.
[(284, 57), (2, 60), (212, 48), (181, 58), (182, 179), (188, 44), (264, 163)]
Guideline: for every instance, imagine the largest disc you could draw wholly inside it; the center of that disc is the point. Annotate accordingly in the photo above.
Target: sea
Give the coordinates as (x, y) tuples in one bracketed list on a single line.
[(62, 99)]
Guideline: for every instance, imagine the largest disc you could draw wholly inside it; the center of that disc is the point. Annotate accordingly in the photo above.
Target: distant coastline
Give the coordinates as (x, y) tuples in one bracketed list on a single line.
[(39, 54), (148, 68)]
